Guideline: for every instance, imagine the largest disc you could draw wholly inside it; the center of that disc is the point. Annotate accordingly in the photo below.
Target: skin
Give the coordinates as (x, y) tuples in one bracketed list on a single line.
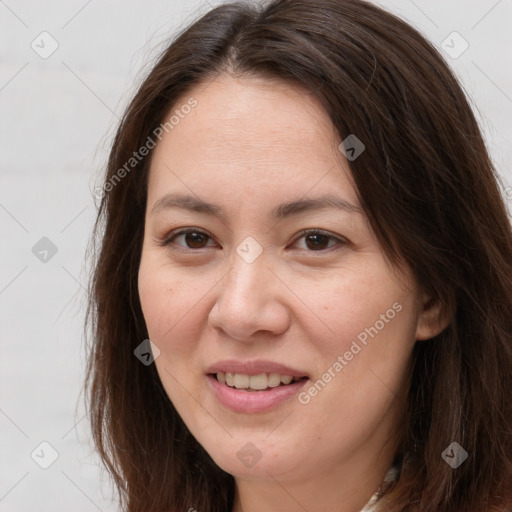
[(249, 145)]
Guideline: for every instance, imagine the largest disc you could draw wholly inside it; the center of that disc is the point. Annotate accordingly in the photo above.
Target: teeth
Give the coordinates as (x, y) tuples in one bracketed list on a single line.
[(241, 381), (257, 382), (286, 379), (273, 380)]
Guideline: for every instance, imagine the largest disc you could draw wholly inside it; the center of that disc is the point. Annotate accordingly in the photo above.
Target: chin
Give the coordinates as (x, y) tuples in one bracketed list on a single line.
[(253, 456)]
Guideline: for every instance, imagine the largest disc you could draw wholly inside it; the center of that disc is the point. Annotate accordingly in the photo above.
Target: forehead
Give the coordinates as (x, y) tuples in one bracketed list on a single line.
[(253, 134)]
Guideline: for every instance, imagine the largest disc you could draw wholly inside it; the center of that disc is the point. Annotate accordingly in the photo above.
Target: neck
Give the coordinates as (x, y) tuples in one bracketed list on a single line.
[(346, 488)]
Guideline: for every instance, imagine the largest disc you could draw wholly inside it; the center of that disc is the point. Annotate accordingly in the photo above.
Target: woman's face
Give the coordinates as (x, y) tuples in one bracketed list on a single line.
[(248, 293)]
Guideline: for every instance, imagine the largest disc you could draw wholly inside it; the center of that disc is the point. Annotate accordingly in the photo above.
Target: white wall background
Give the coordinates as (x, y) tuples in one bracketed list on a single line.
[(57, 118)]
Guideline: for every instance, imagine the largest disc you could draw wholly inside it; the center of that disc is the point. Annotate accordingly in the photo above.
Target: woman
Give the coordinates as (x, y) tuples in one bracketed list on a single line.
[(301, 215)]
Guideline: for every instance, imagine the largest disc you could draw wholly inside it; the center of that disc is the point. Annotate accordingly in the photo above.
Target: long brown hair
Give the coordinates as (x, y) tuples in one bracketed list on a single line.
[(429, 189)]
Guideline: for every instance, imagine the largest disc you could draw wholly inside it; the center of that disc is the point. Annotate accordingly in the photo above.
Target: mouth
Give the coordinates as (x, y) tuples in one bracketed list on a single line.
[(255, 393), (254, 386), (259, 382)]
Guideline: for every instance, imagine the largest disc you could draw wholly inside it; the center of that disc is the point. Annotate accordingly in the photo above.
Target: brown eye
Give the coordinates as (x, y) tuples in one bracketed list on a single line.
[(316, 240), (194, 239)]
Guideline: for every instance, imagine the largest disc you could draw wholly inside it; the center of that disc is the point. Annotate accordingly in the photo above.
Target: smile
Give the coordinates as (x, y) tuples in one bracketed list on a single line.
[(259, 382), (262, 394)]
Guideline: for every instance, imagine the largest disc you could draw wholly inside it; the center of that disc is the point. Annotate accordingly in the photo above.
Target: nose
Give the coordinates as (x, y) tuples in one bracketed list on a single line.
[(251, 301)]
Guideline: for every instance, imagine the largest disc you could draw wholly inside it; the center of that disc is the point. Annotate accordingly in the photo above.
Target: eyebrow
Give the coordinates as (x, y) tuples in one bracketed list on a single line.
[(281, 211)]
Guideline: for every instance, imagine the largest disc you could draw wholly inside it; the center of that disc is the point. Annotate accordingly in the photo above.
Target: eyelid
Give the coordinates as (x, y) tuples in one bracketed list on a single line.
[(318, 231)]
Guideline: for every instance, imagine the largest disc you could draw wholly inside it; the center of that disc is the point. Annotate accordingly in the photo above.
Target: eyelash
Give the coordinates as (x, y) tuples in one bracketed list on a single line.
[(169, 239)]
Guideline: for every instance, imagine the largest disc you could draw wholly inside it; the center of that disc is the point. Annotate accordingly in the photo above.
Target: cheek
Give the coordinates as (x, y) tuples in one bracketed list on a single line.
[(174, 315), (367, 359), (165, 299), (156, 297), (368, 321), (172, 324), (360, 305)]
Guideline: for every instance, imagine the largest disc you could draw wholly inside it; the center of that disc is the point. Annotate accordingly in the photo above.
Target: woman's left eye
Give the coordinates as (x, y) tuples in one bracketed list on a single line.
[(315, 239)]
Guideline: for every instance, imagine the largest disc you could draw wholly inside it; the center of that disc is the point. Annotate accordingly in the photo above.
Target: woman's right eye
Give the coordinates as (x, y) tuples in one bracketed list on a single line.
[(193, 238)]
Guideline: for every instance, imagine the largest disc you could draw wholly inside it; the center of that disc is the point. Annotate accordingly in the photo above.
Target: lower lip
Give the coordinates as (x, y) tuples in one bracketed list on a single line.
[(240, 400)]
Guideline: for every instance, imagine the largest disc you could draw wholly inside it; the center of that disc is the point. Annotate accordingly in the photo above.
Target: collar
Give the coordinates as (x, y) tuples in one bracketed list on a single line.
[(390, 477)]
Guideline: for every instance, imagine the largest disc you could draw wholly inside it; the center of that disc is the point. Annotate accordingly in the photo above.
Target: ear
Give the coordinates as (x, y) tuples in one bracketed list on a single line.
[(433, 318)]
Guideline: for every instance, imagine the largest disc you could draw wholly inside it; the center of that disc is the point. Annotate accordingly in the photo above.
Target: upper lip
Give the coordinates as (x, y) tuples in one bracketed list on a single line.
[(254, 367)]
